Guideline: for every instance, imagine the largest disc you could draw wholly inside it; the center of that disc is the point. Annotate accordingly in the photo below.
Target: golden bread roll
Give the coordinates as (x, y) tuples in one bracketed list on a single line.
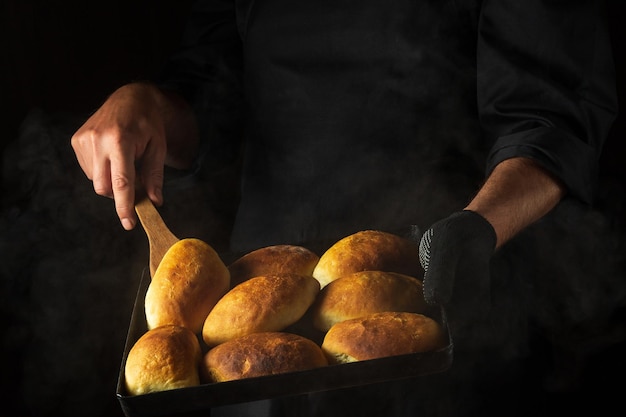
[(261, 304), (271, 260), (186, 285), (368, 250), (382, 334), (260, 354), (366, 292), (164, 358)]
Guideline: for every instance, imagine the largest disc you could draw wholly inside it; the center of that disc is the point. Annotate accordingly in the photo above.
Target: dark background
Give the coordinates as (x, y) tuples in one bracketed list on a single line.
[(67, 56), (59, 62)]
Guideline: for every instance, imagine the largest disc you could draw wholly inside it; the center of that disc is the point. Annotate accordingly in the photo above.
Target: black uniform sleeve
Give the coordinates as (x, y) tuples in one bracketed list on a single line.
[(206, 71), (546, 86)]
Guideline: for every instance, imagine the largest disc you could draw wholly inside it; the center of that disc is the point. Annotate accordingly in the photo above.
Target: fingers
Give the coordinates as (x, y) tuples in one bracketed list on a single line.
[(126, 129), (152, 171), (108, 160), (122, 180), (94, 163), (101, 176)]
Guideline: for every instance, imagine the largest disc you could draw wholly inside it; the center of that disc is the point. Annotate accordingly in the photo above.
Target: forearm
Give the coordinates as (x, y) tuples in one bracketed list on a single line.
[(517, 193)]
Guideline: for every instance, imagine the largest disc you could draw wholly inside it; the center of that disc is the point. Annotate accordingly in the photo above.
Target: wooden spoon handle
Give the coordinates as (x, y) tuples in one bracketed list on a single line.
[(160, 238)]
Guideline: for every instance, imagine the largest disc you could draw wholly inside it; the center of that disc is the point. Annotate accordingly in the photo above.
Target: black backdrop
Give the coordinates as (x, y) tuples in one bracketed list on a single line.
[(68, 55), (63, 58)]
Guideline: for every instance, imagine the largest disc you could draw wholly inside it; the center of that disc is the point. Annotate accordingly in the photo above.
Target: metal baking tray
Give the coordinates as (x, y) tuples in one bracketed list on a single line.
[(199, 400)]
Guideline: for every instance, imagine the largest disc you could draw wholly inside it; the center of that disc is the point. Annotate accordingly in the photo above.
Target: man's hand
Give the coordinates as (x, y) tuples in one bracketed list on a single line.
[(458, 247), (128, 128)]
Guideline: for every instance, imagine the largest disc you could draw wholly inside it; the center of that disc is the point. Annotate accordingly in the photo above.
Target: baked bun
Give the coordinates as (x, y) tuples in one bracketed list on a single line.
[(186, 285), (261, 304), (271, 260), (382, 334), (362, 293), (164, 358), (260, 354), (368, 250)]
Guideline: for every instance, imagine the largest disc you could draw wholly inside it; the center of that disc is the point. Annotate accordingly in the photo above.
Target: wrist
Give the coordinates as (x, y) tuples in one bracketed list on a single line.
[(517, 193)]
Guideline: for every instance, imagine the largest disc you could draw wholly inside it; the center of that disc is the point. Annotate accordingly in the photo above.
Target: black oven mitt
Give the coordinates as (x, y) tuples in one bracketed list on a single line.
[(455, 253)]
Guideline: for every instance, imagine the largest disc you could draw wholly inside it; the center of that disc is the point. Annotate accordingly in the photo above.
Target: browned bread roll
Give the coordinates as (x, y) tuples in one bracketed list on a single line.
[(164, 358), (368, 250), (382, 334), (362, 293), (186, 285), (271, 260), (260, 354), (260, 304)]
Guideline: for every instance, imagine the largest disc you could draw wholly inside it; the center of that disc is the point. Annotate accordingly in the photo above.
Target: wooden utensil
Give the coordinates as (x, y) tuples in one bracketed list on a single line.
[(160, 238)]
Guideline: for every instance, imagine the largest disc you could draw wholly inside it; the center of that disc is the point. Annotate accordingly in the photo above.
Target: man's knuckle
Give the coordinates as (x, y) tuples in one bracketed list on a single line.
[(120, 183)]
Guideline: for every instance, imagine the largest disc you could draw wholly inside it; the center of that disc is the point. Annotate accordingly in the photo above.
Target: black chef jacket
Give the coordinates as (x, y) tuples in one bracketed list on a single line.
[(378, 114)]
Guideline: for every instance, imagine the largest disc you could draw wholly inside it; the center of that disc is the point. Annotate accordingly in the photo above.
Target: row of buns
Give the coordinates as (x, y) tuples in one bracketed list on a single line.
[(361, 299)]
